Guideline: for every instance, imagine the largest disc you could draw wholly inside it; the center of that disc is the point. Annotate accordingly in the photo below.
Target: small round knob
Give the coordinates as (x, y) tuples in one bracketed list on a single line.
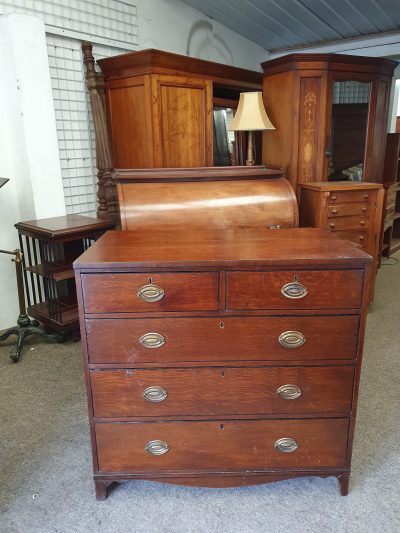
[(361, 238), (157, 447), (366, 195), (286, 445), (333, 197), (334, 211), (155, 394), (332, 225), (364, 209), (362, 222), (289, 392), (152, 340)]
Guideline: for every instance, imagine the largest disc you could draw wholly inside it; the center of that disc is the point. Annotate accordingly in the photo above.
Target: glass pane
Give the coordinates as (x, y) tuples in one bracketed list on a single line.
[(348, 130), (223, 138)]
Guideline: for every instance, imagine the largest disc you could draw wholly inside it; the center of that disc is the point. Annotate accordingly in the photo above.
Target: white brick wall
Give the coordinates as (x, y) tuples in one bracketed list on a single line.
[(112, 26)]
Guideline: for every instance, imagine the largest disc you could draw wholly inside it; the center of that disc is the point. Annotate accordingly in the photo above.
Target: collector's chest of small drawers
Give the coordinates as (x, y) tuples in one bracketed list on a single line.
[(222, 358)]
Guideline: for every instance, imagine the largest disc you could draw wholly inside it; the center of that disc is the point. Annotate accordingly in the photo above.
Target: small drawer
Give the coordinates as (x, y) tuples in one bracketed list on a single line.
[(124, 293), (304, 289), (153, 340), (349, 209), (339, 197), (359, 237), (221, 391), (343, 223), (221, 444)]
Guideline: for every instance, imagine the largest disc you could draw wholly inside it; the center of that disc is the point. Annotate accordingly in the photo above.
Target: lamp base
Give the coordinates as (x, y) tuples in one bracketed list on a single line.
[(250, 150)]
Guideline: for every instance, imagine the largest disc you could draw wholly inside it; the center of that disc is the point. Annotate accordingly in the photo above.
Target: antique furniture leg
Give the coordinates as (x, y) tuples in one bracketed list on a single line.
[(101, 487), (343, 481), (25, 326)]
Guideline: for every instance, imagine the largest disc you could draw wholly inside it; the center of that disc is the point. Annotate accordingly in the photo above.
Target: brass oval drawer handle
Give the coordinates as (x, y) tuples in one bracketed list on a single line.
[(286, 445), (155, 394), (294, 290), (291, 339), (151, 293), (157, 447), (152, 340), (289, 392)]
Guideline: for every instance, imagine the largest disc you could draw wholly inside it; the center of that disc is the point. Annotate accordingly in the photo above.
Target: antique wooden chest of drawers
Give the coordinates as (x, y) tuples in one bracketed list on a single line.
[(222, 358), (351, 210)]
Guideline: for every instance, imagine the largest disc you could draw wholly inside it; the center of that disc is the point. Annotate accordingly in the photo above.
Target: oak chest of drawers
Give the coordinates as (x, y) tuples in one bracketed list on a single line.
[(353, 211), (222, 358)]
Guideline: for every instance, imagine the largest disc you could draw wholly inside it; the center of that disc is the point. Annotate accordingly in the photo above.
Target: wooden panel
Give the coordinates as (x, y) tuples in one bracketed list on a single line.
[(208, 204), (130, 126), (348, 223), (348, 210), (118, 293), (359, 237), (338, 197), (222, 391), (182, 109), (262, 290), (310, 139), (221, 444), (227, 339)]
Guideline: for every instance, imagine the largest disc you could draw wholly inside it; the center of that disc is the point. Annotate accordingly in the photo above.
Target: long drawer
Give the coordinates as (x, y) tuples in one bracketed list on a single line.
[(124, 293), (349, 209), (229, 445), (305, 289), (135, 341), (357, 222), (221, 391)]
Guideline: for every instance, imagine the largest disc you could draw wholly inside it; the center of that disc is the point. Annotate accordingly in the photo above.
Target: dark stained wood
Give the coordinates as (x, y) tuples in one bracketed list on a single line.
[(234, 247), (228, 445), (221, 368), (62, 226), (326, 289), (219, 338), (119, 292), (221, 391)]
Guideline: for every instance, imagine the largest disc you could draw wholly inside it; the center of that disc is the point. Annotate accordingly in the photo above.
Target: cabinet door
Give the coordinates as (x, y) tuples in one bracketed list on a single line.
[(182, 118)]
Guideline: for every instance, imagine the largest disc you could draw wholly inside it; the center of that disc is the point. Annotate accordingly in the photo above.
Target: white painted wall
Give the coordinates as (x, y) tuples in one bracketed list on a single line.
[(28, 143), (176, 27)]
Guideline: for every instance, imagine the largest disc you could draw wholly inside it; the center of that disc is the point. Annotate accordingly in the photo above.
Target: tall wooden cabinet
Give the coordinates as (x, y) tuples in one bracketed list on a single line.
[(160, 107), (330, 114)]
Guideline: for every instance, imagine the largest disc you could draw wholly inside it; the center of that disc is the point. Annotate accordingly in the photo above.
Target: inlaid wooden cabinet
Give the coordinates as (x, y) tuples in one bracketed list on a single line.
[(330, 114), (160, 107)]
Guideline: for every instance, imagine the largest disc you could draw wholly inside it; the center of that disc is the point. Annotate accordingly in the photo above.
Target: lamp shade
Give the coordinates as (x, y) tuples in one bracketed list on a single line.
[(251, 114)]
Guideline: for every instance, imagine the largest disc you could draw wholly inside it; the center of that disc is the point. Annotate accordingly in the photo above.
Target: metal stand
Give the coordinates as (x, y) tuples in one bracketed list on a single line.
[(25, 325)]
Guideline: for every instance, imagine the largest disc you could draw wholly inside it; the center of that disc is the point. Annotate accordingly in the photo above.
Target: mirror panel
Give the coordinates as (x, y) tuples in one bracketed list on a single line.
[(350, 105)]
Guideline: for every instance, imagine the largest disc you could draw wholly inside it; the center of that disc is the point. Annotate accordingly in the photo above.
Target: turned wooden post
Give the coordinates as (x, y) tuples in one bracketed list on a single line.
[(106, 189)]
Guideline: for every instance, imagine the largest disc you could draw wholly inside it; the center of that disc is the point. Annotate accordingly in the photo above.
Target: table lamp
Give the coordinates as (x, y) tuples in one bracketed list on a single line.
[(251, 116)]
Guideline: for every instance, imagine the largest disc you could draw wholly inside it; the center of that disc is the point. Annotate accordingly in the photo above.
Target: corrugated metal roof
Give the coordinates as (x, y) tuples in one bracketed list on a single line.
[(286, 24)]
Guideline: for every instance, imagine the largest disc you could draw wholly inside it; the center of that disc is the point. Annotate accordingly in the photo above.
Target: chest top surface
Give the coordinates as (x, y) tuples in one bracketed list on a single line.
[(229, 248)]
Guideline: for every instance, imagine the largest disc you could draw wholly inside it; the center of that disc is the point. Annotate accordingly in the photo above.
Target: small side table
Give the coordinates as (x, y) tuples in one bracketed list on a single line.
[(49, 246)]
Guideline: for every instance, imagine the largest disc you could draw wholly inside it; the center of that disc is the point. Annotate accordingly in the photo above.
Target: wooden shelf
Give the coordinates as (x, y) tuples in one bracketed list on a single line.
[(58, 271), (69, 317), (395, 245)]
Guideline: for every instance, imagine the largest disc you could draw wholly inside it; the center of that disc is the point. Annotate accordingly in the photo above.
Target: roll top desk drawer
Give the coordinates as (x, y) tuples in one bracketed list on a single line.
[(148, 340), (221, 391), (125, 293), (307, 289), (255, 444)]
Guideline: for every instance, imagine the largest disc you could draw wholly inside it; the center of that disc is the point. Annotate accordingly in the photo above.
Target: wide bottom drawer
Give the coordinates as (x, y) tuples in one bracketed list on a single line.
[(222, 444), (221, 391)]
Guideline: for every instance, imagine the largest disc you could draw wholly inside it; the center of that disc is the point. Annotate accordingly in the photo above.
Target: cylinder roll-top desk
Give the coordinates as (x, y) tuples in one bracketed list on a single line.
[(222, 344)]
